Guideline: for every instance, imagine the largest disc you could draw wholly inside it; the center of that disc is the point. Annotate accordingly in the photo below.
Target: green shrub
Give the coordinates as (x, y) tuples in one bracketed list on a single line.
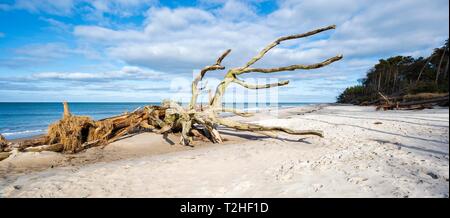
[(422, 86)]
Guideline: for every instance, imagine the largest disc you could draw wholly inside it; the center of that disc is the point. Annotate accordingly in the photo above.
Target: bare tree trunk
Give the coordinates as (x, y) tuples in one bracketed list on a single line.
[(66, 113), (446, 69), (379, 80), (388, 78), (423, 68), (3, 143), (439, 67)]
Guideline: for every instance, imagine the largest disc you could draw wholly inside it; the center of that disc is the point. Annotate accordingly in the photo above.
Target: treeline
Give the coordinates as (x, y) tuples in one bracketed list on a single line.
[(400, 75)]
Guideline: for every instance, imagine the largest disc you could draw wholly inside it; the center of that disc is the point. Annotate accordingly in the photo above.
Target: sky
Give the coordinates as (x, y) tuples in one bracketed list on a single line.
[(149, 50)]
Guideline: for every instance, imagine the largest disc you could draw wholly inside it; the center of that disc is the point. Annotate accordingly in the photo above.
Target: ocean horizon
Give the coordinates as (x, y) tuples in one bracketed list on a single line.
[(27, 119)]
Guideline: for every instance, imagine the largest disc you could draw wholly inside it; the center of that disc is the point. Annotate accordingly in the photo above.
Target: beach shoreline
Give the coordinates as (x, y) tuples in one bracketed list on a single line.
[(365, 153)]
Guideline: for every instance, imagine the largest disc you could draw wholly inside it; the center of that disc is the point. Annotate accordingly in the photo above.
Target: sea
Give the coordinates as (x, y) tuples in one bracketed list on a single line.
[(27, 119)]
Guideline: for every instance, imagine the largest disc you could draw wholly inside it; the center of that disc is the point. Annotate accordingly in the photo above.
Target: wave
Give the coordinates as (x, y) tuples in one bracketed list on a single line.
[(22, 134)]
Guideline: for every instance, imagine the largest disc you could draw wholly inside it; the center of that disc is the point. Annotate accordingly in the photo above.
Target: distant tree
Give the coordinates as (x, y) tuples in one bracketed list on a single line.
[(400, 75)]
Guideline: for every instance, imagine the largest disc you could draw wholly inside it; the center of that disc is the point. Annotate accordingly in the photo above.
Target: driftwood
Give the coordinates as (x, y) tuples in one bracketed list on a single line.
[(4, 151), (75, 133), (53, 147), (413, 105), (3, 143)]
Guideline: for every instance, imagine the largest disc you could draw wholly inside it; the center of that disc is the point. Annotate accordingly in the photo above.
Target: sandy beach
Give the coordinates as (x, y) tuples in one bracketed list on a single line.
[(365, 153)]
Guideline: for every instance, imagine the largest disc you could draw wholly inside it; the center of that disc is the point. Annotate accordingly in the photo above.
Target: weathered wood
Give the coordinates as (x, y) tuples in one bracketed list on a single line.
[(234, 111), (385, 98), (198, 134), (54, 147), (232, 74), (259, 128), (216, 66), (3, 143), (415, 105), (428, 101), (33, 142), (66, 110)]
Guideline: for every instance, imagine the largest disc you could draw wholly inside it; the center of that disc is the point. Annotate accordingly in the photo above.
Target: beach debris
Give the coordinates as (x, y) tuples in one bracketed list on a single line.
[(3, 142), (38, 141), (4, 150), (73, 133), (412, 102), (54, 147), (378, 123)]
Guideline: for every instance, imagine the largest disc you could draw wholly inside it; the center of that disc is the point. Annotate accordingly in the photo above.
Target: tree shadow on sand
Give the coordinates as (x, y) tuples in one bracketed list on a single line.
[(400, 145), (249, 136), (376, 130), (393, 120)]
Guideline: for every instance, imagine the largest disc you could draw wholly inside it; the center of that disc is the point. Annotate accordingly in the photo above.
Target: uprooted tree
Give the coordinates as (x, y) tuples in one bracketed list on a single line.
[(75, 133)]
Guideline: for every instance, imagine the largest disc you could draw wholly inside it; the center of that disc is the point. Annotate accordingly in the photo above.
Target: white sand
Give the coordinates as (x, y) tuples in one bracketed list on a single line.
[(405, 156)]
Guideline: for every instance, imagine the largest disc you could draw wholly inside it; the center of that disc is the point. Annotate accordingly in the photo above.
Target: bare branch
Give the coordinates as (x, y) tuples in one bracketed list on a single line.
[(220, 59), (234, 111), (66, 113), (210, 129), (232, 73), (279, 40), (260, 86), (292, 67), (385, 98), (259, 128), (216, 66)]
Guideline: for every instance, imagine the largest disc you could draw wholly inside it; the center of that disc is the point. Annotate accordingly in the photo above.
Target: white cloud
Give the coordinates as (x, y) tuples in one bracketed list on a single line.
[(185, 38), (90, 8), (122, 8), (57, 25), (190, 37), (236, 11), (107, 35), (43, 51), (126, 73), (60, 7), (37, 54)]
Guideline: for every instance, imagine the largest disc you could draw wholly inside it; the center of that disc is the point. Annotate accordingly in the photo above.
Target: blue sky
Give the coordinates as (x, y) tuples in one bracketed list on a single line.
[(148, 50)]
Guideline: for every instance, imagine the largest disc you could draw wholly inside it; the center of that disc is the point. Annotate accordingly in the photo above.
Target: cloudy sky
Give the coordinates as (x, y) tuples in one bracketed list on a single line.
[(148, 50)]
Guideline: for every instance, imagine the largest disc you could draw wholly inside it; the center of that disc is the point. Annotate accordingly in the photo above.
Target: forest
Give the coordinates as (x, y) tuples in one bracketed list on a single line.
[(400, 76)]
